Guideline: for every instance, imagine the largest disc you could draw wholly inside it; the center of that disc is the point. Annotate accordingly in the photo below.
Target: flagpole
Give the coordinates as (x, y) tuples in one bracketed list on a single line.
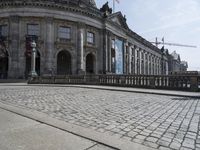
[(113, 6)]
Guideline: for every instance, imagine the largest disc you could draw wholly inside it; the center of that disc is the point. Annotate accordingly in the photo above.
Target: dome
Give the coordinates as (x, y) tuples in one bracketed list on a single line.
[(73, 2), (89, 2)]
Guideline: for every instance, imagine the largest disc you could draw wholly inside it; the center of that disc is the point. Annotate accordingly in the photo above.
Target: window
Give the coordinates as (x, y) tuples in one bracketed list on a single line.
[(90, 37), (3, 30), (64, 33), (33, 29)]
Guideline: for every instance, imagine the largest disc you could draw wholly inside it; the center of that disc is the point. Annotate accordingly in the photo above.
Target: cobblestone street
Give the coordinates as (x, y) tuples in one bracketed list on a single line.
[(162, 122)]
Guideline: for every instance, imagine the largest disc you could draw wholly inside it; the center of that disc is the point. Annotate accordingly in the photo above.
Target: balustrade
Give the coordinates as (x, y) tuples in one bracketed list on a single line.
[(175, 82)]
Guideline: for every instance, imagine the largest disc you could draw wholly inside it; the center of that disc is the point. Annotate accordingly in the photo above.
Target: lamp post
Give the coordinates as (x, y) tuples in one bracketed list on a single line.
[(33, 59)]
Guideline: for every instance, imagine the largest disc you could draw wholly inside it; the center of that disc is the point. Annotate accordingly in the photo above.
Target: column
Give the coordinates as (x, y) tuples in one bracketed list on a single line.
[(133, 60), (81, 68), (33, 59), (130, 59), (125, 57), (140, 61), (149, 64), (160, 64), (154, 62), (156, 66), (167, 68), (145, 63), (49, 44), (147, 70), (136, 60), (14, 66), (105, 51), (109, 53), (152, 65)]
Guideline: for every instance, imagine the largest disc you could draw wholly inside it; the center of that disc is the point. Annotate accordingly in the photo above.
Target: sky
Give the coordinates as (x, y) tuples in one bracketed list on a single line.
[(178, 21)]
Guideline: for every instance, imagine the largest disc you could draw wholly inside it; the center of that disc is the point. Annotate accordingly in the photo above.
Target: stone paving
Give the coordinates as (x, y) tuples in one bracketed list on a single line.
[(161, 122)]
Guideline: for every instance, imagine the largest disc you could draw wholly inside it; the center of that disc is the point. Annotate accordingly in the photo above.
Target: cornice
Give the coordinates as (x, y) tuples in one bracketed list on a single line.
[(87, 11)]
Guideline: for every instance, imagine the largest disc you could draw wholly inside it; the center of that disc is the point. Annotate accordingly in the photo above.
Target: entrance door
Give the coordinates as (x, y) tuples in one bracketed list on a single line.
[(64, 63), (90, 63), (4, 66)]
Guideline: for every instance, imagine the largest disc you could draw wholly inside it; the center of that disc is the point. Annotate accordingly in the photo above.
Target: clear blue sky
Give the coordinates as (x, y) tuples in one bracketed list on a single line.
[(178, 21)]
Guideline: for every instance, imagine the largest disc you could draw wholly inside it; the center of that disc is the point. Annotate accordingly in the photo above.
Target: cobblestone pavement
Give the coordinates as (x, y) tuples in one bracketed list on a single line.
[(161, 122)]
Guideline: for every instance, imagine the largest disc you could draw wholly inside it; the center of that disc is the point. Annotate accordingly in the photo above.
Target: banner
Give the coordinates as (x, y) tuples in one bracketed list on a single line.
[(119, 56)]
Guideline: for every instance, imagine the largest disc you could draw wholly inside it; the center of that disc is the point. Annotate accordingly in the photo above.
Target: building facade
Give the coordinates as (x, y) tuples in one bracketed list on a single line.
[(73, 37), (175, 63)]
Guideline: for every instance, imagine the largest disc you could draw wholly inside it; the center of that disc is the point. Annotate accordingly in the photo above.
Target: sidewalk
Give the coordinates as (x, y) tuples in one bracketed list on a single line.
[(20, 133), (31, 130)]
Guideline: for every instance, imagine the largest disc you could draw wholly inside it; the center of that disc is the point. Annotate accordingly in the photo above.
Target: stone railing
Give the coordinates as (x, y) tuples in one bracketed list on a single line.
[(173, 82)]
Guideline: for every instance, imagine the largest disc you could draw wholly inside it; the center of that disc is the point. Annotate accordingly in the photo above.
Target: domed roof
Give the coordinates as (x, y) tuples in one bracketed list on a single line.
[(89, 2), (75, 2)]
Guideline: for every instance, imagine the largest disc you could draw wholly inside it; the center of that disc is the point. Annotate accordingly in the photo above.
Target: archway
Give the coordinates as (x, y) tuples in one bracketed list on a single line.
[(28, 64), (90, 64), (3, 65), (64, 63)]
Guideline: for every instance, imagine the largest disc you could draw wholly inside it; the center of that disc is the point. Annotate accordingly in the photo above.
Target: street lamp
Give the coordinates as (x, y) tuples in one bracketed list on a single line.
[(33, 59)]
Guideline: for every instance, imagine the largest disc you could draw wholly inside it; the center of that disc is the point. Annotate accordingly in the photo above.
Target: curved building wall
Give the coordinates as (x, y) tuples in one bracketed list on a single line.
[(70, 40)]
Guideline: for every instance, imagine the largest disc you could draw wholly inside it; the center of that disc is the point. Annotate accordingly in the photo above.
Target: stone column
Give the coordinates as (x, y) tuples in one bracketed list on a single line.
[(109, 53), (81, 68), (167, 68), (133, 60), (158, 66), (155, 65), (130, 59), (14, 66), (105, 51), (136, 58), (152, 65), (145, 60), (49, 44), (154, 69), (33, 59), (140, 60), (149, 64), (125, 59)]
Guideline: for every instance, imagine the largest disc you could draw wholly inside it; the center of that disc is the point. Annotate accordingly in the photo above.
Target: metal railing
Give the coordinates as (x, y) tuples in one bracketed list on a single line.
[(174, 82)]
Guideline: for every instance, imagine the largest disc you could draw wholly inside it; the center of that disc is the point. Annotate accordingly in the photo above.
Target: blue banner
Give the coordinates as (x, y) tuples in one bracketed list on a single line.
[(119, 56)]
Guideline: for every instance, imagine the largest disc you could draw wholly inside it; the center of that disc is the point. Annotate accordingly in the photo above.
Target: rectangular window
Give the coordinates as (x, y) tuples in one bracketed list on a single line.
[(3, 30), (33, 29), (90, 37), (64, 33)]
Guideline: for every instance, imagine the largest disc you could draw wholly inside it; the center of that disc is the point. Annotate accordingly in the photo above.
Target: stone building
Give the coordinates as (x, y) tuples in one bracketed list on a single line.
[(175, 63), (184, 66), (73, 37)]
